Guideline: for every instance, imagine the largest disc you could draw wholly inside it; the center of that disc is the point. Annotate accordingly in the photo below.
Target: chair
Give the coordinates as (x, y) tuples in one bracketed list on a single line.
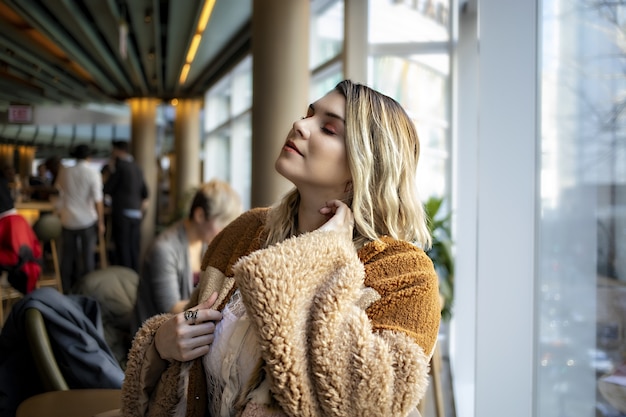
[(59, 399), (8, 296), (115, 290), (48, 230), (43, 356)]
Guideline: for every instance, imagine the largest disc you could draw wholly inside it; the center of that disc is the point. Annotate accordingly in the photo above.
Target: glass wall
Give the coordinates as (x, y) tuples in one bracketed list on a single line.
[(326, 46), (582, 242), (409, 59), (228, 137), (410, 47), (326, 34)]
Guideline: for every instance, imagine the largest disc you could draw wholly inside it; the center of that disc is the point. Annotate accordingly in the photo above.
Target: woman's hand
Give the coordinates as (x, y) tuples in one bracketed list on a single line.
[(340, 217), (188, 335)]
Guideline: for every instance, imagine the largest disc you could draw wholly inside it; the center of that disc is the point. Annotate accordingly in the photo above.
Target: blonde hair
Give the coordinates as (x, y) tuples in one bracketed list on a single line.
[(383, 149), (218, 200)]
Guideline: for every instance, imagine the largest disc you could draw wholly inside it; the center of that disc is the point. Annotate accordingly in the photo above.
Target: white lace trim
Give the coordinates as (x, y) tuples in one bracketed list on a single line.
[(232, 359)]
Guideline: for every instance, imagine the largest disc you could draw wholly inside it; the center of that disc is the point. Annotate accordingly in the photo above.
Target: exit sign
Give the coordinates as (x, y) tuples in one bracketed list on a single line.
[(20, 114)]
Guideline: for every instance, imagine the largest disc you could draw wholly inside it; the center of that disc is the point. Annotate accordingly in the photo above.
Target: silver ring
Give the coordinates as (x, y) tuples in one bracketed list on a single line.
[(190, 315)]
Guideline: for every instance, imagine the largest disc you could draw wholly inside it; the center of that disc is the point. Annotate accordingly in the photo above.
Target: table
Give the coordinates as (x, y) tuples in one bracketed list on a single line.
[(31, 210), (71, 403)]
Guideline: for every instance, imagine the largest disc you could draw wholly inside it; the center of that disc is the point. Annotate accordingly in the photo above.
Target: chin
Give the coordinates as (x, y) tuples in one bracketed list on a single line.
[(279, 167)]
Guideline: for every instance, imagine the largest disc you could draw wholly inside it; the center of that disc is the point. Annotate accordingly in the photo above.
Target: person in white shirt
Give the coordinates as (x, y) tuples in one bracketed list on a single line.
[(82, 216)]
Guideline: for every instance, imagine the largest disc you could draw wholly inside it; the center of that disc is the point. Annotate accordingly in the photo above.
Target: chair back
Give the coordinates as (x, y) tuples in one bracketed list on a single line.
[(42, 353)]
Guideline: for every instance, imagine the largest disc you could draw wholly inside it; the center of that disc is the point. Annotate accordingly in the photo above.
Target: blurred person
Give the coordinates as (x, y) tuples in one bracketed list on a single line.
[(20, 250), (54, 166), (39, 185), (82, 216), (43, 176), (128, 191), (324, 304), (171, 265)]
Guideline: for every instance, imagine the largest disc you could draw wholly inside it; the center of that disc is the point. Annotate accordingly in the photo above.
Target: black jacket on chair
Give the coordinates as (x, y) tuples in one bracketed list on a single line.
[(75, 331)]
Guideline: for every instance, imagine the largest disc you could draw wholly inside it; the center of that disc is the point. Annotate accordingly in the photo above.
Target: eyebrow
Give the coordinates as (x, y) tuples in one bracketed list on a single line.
[(329, 114)]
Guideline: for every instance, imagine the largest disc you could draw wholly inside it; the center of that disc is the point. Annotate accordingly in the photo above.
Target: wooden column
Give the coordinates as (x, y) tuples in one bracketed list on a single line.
[(187, 130), (280, 47), (143, 148)]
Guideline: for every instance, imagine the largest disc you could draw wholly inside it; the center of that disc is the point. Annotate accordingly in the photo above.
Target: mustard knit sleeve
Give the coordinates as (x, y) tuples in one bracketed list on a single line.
[(405, 278)]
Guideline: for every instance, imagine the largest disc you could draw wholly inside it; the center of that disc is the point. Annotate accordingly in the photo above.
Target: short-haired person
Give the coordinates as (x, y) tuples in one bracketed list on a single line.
[(322, 305), (128, 191), (171, 266), (82, 216)]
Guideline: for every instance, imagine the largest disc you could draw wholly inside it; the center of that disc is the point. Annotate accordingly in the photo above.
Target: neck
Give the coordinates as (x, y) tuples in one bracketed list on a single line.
[(309, 216)]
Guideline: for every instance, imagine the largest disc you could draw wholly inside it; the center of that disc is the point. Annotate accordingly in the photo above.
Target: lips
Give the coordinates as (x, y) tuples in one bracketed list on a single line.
[(292, 147)]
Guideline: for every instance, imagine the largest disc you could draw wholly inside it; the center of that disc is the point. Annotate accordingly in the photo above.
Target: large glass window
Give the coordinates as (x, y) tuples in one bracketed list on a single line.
[(408, 21), (410, 61), (326, 46), (326, 40), (228, 138), (582, 243)]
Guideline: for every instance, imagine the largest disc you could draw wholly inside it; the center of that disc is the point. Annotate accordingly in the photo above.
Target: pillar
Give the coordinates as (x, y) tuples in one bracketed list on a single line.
[(143, 134), (355, 40), (280, 88), (187, 129), (26, 158), (7, 155)]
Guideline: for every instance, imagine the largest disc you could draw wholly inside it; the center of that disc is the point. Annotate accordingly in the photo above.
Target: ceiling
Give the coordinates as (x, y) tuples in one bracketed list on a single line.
[(56, 53)]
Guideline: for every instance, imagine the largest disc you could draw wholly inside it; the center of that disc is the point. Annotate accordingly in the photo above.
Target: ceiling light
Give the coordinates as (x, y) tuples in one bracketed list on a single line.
[(205, 15), (184, 72)]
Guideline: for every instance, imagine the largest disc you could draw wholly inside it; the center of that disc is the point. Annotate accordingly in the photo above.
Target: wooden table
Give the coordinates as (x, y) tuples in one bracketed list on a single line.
[(31, 210), (71, 403)]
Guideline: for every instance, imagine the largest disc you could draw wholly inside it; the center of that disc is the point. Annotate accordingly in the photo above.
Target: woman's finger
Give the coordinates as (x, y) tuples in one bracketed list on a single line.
[(340, 216), (188, 335)]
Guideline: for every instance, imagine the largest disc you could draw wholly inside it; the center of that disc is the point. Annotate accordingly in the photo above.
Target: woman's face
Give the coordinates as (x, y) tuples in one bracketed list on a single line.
[(314, 154), (206, 228)]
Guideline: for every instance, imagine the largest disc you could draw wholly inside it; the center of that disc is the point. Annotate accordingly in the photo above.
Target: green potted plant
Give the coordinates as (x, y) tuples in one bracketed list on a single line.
[(441, 251)]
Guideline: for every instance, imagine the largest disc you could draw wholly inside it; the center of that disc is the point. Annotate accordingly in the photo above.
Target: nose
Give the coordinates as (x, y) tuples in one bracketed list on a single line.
[(300, 127)]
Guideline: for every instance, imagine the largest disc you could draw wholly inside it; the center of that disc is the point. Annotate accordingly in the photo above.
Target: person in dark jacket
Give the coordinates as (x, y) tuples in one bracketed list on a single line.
[(128, 191)]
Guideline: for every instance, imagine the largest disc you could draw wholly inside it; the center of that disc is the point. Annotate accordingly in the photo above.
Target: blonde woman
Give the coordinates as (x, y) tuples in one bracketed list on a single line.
[(323, 305)]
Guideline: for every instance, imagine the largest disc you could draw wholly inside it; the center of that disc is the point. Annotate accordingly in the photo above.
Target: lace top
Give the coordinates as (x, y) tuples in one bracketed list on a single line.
[(232, 359)]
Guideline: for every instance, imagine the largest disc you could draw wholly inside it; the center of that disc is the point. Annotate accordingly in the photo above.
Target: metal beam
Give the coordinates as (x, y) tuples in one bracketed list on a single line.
[(40, 20), (100, 48)]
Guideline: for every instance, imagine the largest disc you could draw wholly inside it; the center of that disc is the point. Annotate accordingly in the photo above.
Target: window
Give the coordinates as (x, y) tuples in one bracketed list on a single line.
[(227, 144), (582, 257), (410, 61)]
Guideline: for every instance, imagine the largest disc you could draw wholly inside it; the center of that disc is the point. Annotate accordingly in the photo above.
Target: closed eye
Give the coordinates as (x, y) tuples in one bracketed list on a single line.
[(328, 131)]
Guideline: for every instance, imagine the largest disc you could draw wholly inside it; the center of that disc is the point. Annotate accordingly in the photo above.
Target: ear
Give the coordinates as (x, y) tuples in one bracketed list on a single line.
[(198, 215)]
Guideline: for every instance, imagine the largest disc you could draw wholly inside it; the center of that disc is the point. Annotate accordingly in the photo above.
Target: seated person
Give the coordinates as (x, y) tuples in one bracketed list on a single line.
[(20, 249), (39, 185), (171, 265)]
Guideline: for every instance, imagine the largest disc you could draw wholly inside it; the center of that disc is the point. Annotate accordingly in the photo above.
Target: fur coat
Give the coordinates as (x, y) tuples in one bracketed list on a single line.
[(341, 332)]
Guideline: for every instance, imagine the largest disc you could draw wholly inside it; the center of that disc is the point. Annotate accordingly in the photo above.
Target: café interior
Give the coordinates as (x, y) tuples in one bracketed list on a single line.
[(518, 106)]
